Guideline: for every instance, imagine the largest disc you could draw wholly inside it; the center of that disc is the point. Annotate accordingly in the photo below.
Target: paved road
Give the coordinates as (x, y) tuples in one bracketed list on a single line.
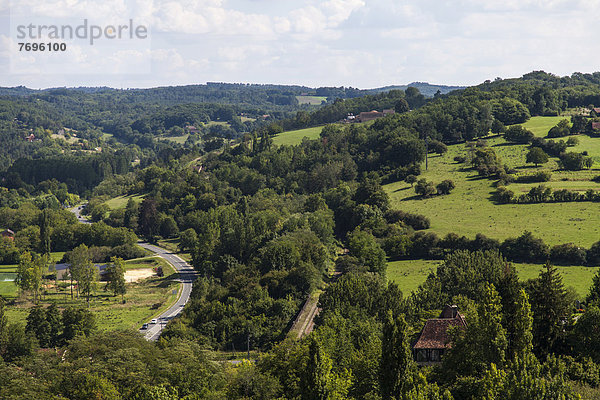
[(77, 211), (187, 276)]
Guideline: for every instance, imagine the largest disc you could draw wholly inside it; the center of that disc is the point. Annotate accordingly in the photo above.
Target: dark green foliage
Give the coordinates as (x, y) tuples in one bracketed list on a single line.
[(518, 134), (572, 161), (525, 248), (537, 156), (445, 186), (550, 307), (424, 188), (363, 246), (561, 129), (482, 343), (568, 254)]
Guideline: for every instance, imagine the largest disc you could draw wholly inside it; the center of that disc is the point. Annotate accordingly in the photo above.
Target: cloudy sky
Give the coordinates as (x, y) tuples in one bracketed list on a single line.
[(359, 43)]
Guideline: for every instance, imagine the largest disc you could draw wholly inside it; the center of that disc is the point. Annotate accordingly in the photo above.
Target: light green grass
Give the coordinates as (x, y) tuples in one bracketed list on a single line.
[(469, 209), (121, 201), (409, 274), (312, 100), (541, 125), (176, 139), (291, 138)]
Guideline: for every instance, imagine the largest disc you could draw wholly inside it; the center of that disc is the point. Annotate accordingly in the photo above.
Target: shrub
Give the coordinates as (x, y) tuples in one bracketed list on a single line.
[(518, 134), (541, 176), (568, 254), (445, 187)]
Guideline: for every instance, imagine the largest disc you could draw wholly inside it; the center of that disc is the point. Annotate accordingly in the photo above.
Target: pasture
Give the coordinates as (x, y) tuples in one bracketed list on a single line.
[(470, 208), (409, 274), (291, 138)]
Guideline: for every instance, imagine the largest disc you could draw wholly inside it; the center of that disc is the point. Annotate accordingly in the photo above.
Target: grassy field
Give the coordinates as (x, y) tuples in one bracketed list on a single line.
[(121, 201), (295, 137), (176, 139), (469, 209), (541, 125), (409, 274), (144, 299), (7, 275), (313, 100)]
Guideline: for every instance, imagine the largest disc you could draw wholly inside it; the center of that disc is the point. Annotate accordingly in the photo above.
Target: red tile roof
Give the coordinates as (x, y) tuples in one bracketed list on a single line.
[(435, 333)]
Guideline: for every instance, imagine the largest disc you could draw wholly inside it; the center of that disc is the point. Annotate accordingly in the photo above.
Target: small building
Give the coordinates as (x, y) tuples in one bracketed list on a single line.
[(30, 138), (7, 233), (596, 125), (434, 340), (192, 129), (371, 115)]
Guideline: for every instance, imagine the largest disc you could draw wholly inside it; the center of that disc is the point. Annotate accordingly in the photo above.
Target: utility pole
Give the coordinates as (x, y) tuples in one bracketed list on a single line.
[(426, 151)]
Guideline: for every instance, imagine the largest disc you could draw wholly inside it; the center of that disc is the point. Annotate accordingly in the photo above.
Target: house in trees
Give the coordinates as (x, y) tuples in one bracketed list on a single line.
[(371, 115), (8, 234), (434, 340)]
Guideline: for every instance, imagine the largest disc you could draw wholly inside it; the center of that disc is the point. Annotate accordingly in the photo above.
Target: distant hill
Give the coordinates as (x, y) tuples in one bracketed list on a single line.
[(426, 89)]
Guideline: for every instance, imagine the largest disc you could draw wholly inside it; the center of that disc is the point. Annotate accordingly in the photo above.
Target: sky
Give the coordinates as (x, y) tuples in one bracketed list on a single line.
[(358, 43)]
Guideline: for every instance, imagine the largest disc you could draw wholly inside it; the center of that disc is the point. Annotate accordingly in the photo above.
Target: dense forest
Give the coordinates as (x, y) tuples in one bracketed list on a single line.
[(267, 227)]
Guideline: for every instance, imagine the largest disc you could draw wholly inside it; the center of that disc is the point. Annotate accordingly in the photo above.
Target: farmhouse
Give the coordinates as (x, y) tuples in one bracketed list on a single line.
[(7, 233), (433, 340), (371, 115), (596, 125)]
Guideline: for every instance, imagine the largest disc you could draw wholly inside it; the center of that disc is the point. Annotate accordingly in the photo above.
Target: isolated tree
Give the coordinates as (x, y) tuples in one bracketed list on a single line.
[(437, 147), (410, 179), (537, 156), (518, 134), (115, 274), (424, 188), (445, 186)]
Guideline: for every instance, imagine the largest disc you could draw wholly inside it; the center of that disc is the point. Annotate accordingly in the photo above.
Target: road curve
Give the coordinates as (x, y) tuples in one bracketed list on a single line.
[(187, 275)]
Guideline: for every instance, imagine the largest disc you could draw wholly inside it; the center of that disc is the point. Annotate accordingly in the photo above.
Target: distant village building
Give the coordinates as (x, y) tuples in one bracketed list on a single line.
[(433, 340), (192, 129), (8, 234), (371, 115), (596, 125), (30, 138)]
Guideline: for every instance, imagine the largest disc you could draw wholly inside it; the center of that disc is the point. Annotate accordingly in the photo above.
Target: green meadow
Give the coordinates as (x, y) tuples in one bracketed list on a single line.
[(409, 274), (290, 138), (469, 209)]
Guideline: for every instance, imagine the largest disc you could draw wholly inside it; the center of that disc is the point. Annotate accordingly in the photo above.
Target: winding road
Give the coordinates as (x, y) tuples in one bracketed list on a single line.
[(187, 275)]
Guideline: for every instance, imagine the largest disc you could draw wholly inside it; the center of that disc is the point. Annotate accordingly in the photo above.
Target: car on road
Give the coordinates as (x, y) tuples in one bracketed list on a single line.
[(154, 321), (145, 326)]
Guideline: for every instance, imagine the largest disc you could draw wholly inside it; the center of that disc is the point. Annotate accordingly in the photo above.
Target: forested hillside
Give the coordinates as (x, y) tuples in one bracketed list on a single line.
[(268, 228)]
